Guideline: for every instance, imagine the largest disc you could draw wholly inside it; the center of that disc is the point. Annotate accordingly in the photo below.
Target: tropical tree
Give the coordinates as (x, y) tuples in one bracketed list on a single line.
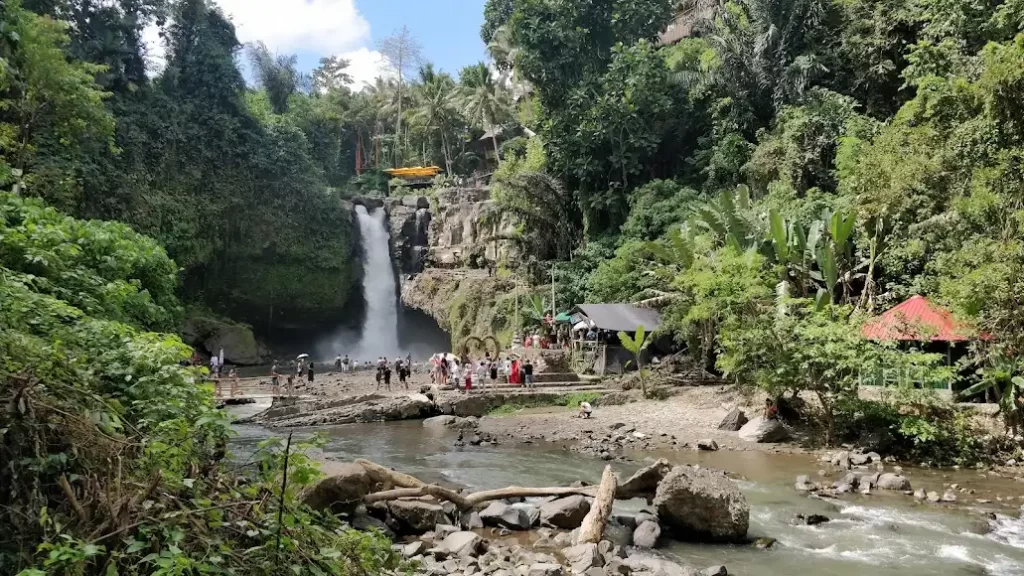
[(436, 112), (277, 75), (404, 55), (636, 344), (484, 102)]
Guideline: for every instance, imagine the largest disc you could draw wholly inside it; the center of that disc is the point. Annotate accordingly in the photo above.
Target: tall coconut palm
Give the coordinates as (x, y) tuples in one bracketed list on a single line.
[(436, 109), (484, 102)]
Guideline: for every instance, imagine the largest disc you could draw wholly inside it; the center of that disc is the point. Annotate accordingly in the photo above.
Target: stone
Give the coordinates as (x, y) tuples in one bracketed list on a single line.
[(707, 445), (445, 421), (595, 571), (544, 569), (933, 496), (657, 566), (646, 535), (365, 523), (804, 484), (566, 513), (639, 435), (616, 425), (714, 571), (491, 515), (343, 491), (860, 459), (702, 505), (764, 543), (414, 549), (618, 534), (583, 557), (761, 431), (733, 421), (472, 521), (461, 543), (812, 519), (851, 481), (920, 494), (890, 481), (443, 530), (949, 496), (645, 515), (515, 519), (627, 520), (615, 567), (532, 511), (415, 517), (237, 340)]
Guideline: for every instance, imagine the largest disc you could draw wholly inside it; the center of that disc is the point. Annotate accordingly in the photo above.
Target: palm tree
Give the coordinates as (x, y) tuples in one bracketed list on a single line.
[(484, 101), (436, 109)]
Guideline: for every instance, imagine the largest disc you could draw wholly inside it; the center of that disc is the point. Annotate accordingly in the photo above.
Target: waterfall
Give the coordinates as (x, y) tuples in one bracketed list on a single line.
[(379, 334)]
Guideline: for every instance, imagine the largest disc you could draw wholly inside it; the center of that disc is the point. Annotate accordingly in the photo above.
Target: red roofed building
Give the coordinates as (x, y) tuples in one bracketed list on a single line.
[(916, 319)]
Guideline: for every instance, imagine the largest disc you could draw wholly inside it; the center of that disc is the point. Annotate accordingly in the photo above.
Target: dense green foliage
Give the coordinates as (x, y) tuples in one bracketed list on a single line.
[(876, 147), (112, 449)]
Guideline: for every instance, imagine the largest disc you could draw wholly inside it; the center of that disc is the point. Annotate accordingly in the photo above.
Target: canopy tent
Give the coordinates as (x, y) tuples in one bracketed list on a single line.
[(917, 320), (617, 317)]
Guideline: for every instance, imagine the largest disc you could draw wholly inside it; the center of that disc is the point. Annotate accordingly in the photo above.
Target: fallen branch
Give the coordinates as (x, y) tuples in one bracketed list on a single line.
[(594, 522), (388, 477), (72, 499)]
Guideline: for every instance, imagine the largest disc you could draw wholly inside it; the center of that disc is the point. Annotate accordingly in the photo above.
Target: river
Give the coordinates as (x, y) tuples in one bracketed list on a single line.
[(880, 534)]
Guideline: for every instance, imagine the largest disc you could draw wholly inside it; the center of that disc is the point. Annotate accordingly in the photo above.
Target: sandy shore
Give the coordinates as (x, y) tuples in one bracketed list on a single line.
[(678, 422)]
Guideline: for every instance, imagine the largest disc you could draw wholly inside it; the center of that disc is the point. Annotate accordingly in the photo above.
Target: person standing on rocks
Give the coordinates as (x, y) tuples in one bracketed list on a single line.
[(379, 377), (275, 381), (345, 363), (387, 377), (310, 372), (528, 374), (494, 372)]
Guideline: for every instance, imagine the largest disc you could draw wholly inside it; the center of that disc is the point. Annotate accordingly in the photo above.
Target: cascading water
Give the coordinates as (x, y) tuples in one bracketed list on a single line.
[(379, 334)]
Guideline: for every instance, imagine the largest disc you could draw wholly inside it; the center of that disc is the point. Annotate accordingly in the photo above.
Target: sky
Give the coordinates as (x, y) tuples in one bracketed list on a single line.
[(447, 30)]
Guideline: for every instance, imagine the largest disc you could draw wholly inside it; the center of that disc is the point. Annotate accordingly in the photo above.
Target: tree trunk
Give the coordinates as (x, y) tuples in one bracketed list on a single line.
[(593, 524), (398, 124), (494, 139)]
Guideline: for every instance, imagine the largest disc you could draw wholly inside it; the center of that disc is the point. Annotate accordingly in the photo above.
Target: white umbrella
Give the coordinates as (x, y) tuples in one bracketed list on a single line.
[(301, 356)]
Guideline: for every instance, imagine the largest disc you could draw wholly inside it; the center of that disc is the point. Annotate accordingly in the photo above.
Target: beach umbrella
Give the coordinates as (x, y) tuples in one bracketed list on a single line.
[(302, 356)]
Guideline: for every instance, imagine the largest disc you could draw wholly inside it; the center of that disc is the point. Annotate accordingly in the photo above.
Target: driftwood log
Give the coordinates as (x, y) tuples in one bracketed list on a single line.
[(593, 523), (396, 486)]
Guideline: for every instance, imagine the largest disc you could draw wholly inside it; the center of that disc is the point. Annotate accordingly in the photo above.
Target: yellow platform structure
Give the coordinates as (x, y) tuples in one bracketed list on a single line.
[(414, 172)]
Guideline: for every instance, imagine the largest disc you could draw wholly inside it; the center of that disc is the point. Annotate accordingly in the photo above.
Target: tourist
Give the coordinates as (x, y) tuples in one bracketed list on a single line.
[(481, 373), (345, 363), (275, 381), (387, 376), (469, 379), (310, 372), (454, 380), (337, 362), (514, 376), (528, 374), (213, 365), (233, 375), (771, 411), (291, 384), (494, 373), (379, 376), (592, 335), (585, 409)]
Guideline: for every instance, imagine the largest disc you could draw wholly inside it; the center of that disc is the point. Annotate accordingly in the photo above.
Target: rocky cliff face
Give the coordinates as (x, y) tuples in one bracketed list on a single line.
[(443, 251), (468, 228)]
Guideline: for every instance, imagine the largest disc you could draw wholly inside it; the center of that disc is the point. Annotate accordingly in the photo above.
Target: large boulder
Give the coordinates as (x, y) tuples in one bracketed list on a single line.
[(647, 563), (646, 534), (702, 505), (567, 513), (761, 430), (733, 421), (532, 511), (515, 519), (491, 515), (415, 517), (237, 340), (342, 491), (461, 543), (444, 421), (583, 557), (889, 481)]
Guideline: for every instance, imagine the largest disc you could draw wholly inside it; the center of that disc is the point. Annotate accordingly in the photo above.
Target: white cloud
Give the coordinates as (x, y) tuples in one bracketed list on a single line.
[(325, 26), (365, 65)]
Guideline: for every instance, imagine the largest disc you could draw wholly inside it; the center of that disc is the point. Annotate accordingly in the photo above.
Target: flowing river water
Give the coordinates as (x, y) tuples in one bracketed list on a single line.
[(879, 535)]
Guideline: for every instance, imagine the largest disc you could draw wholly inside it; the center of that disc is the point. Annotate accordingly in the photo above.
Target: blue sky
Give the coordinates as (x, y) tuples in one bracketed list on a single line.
[(448, 30)]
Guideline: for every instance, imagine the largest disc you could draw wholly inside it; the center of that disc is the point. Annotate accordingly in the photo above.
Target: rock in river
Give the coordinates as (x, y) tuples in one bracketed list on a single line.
[(491, 515), (583, 557), (733, 421), (707, 445), (461, 543), (415, 517), (566, 513), (889, 481), (703, 505), (341, 492), (760, 430), (646, 534)]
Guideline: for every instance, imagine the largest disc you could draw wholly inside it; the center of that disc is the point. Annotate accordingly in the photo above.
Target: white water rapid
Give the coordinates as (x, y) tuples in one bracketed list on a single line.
[(379, 334)]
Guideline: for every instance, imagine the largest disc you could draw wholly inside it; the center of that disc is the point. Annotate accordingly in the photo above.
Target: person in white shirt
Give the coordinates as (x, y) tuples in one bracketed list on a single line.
[(585, 409)]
